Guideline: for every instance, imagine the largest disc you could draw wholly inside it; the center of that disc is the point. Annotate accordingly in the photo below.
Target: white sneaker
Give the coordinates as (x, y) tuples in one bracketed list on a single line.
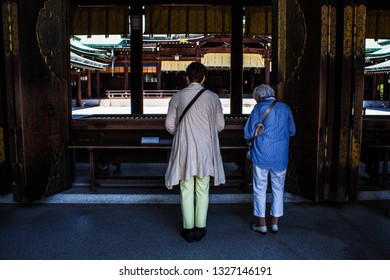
[(261, 229), (274, 227)]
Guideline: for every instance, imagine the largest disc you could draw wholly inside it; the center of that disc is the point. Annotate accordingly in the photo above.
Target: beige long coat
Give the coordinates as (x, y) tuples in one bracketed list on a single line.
[(195, 147)]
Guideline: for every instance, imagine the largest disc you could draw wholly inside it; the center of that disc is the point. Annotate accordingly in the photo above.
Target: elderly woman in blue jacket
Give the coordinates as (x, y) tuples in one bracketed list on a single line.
[(269, 154)]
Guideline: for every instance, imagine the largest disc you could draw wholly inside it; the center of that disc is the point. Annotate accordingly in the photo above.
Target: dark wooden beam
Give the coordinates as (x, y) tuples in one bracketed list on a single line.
[(165, 2)]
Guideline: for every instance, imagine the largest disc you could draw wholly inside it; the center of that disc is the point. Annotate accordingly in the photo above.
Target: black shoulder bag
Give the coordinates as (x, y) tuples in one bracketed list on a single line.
[(190, 104)]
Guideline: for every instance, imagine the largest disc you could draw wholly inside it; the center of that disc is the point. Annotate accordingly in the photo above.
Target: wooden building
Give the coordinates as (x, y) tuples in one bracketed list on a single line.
[(318, 60), (377, 71), (165, 59)]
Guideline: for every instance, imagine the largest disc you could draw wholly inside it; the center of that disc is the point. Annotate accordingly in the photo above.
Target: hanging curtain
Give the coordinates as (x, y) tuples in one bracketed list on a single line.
[(100, 20), (167, 20), (222, 60), (258, 20), (173, 65), (377, 25)]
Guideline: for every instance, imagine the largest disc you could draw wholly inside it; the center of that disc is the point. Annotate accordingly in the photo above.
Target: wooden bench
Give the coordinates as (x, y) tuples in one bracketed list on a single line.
[(94, 155), (94, 158), (376, 145), (380, 153), (117, 139)]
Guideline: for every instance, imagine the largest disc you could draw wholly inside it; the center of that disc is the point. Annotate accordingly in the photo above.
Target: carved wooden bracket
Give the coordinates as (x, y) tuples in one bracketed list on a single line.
[(296, 36), (50, 35)]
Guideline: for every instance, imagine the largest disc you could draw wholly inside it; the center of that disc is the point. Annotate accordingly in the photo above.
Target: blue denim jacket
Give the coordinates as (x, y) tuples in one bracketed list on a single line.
[(270, 149)]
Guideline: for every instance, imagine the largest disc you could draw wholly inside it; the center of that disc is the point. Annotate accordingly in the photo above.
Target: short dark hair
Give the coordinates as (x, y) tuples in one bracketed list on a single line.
[(195, 72)]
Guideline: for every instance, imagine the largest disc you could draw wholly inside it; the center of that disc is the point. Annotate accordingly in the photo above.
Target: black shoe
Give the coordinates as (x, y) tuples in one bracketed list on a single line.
[(188, 234), (199, 233)]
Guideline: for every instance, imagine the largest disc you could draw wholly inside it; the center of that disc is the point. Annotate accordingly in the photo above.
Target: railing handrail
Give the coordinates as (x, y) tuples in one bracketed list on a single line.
[(127, 92), (146, 90)]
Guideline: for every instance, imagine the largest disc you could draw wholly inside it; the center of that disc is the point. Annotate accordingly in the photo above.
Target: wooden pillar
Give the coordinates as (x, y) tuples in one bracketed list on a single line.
[(197, 52), (236, 59), (97, 83), (136, 59), (326, 158), (158, 66), (253, 75), (344, 88), (126, 74), (387, 87), (267, 64), (5, 163), (357, 95), (79, 101), (296, 75), (37, 84), (350, 91), (89, 88), (279, 45)]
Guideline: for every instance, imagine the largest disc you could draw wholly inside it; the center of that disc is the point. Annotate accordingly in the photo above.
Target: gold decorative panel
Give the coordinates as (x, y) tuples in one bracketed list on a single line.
[(324, 29), (344, 147), (348, 31), (360, 29), (10, 27), (332, 31), (328, 30), (355, 157)]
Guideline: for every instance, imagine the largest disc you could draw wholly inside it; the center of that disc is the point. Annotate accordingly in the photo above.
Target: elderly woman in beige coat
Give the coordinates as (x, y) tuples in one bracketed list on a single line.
[(195, 154)]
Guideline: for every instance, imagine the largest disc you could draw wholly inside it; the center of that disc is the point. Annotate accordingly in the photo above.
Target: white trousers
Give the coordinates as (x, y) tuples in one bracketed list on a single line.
[(260, 182)]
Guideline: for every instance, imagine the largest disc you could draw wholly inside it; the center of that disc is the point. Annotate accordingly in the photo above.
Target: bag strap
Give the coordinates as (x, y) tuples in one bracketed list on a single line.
[(190, 104), (268, 110)]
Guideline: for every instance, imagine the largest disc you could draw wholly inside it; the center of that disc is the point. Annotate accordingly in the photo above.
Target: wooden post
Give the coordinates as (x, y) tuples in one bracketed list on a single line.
[(79, 101), (126, 74), (89, 88), (136, 60), (158, 66), (97, 83), (267, 62), (357, 96), (236, 59)]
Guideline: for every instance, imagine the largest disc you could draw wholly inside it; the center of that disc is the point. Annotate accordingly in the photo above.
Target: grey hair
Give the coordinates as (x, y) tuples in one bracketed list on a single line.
[(263, 91)]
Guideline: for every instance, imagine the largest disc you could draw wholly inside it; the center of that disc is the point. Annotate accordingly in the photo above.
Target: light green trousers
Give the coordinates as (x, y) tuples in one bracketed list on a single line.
[(194, 210)]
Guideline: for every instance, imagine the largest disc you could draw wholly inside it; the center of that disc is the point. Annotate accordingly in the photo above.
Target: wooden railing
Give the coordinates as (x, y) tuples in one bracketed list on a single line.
[(121, 93)]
